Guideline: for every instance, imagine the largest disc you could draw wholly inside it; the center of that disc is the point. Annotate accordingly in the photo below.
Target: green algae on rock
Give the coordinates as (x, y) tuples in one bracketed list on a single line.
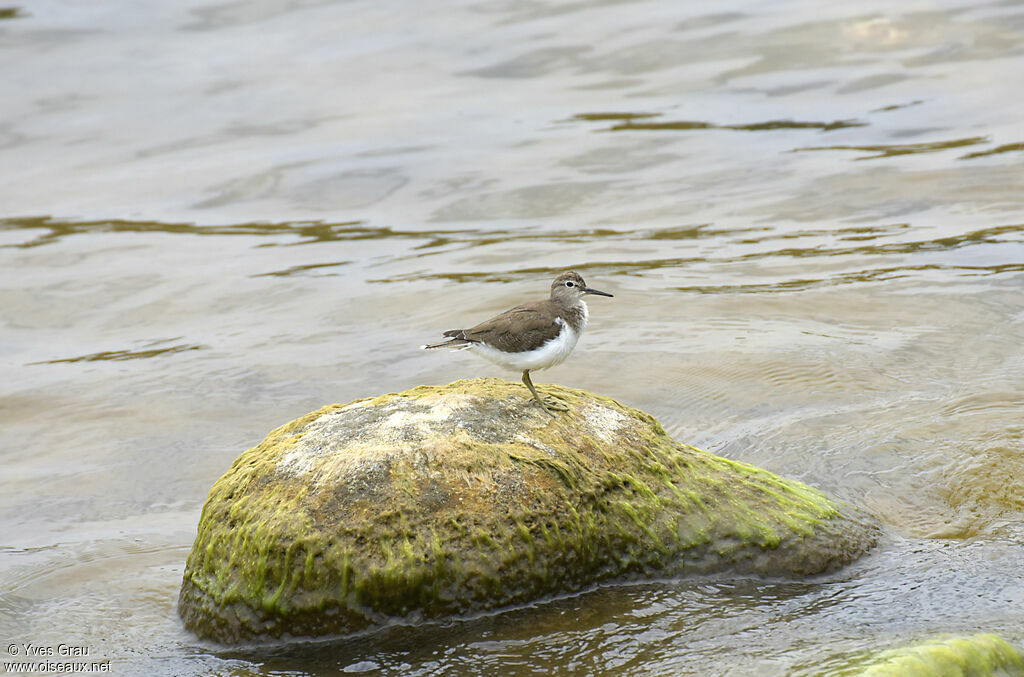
[(982, 655), (447, 500)]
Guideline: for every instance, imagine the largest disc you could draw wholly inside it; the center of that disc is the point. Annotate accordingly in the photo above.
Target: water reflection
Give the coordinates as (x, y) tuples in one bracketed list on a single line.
[(893, 150), (857, 254), (1005, 148), (306, 232), (629, 122), (122, 355), (897, 106), (611, 628), (304, 268)]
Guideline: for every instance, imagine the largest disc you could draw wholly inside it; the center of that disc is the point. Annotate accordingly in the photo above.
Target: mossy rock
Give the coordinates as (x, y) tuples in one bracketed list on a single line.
[(983, 655), (447, 500)]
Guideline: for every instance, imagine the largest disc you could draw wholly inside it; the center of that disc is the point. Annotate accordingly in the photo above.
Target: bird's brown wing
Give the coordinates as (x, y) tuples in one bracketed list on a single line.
[(525, 327)]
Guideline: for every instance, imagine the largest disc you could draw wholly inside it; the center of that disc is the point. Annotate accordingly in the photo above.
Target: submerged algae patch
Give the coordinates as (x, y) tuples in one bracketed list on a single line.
[(982, 655), (445, 500)]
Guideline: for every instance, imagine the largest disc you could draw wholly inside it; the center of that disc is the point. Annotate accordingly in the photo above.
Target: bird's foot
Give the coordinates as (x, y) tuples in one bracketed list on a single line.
[(552, 404)]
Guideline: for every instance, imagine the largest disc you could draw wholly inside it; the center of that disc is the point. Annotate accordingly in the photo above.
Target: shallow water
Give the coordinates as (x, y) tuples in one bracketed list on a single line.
[(218, 217)]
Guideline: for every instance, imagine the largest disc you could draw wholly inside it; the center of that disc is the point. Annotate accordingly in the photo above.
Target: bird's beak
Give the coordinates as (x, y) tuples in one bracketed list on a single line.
[(588, 290)]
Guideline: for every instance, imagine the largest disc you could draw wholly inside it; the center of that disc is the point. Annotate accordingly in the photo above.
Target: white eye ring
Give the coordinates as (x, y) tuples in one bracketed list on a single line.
[(569, 284)]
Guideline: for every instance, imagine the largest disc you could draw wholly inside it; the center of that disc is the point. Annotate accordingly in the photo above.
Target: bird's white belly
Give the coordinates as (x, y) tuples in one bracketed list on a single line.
[(548, 355)]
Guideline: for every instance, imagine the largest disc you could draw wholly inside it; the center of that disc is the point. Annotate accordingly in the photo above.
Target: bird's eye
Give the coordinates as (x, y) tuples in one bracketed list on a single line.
[(570, 284)]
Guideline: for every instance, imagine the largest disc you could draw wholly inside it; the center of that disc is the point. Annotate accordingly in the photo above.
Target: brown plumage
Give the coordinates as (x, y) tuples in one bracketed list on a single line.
[(522, 328)]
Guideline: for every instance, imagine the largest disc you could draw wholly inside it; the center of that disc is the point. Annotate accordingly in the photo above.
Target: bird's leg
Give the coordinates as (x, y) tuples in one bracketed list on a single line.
[(550, 404), (541, 402)]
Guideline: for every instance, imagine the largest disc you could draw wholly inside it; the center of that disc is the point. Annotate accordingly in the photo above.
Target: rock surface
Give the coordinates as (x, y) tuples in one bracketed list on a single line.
[(975, 656), (446, 500)]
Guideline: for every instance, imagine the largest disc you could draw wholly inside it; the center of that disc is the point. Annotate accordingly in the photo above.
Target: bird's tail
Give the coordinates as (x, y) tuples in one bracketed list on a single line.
[(454, 344)]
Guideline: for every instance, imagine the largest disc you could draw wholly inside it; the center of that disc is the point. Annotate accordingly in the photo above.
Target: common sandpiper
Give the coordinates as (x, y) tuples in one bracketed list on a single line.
[(532, 336)]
